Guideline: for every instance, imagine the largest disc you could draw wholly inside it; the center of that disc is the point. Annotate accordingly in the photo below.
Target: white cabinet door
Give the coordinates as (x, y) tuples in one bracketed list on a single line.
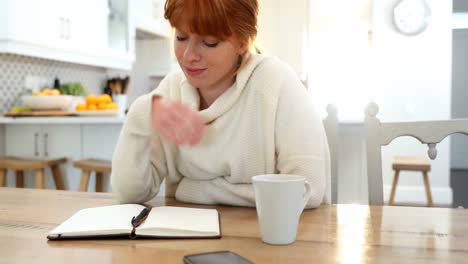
[(87, 28), (99, 142), (47, 142), (148, 15), (63, 141), (75, 31), (79, 26), (21, 19), (23, 141), (54, 24), (120, 34)]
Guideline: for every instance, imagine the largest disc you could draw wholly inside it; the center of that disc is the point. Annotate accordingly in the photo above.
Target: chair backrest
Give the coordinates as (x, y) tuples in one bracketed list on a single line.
[(330, 123), (380, 134)]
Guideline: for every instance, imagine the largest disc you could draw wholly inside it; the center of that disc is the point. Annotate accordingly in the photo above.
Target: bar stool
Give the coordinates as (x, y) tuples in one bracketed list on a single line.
[(410, 163), (20, 165), (89, 165)]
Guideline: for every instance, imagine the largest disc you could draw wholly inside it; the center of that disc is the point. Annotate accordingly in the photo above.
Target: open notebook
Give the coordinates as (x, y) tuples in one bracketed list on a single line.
[(133, 220)]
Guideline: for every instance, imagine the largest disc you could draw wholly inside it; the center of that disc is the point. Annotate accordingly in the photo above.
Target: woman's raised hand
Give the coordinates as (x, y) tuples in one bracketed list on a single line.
[(176, 122)]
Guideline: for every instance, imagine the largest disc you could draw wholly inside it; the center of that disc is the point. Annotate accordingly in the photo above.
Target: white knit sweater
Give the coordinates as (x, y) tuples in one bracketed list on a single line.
[(265, 123)]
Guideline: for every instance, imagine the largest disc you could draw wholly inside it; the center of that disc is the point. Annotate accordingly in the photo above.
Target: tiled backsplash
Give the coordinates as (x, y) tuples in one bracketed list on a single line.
[(15, 68)]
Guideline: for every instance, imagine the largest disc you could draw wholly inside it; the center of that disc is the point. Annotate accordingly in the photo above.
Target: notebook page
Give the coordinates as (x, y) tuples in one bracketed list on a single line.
[(112, 219), (181, 221)]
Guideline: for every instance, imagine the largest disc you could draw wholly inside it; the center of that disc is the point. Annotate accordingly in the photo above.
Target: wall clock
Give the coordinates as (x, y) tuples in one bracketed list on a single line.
[(411, 17)]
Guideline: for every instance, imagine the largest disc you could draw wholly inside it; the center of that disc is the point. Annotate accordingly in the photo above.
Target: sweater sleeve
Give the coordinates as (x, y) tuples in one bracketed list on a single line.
[(138, 164), (301, 144)]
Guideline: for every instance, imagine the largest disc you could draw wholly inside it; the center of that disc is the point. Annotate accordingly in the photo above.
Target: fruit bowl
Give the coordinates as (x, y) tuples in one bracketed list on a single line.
[(46, 102)]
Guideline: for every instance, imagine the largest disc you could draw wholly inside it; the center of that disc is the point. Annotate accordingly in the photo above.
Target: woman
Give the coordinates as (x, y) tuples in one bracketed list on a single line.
[(228, 115)]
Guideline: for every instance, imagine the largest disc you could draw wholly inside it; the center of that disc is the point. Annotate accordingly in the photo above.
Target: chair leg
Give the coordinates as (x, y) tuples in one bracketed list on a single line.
[(40, 178), (84, 181), (19, 179), (428, 189), (99, 176), (3, 174), (57, 177), (394, 186)]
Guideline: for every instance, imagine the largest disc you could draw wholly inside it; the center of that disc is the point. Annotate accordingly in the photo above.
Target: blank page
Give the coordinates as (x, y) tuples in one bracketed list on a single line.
[(180, 219), (105, 220)]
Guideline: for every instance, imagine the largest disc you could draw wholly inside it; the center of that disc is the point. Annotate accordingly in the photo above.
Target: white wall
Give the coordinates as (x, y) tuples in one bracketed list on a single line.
[(356, 55), (339, 55), (281, 31), (152, 55), (414, 78)]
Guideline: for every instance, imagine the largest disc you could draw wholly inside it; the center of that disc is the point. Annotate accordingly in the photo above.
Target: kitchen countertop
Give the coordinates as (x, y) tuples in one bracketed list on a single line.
[(62, 120)]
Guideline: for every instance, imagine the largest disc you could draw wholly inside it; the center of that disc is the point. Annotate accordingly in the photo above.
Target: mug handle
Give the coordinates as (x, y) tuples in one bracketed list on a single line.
[(307, 194)]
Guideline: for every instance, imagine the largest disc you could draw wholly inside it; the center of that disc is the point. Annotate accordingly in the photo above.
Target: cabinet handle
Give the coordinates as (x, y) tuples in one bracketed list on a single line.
[(46, 139), (67, 36), (36, 147)]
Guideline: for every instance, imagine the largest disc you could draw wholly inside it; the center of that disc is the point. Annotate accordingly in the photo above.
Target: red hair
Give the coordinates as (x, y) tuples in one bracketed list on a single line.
[(219, 18)]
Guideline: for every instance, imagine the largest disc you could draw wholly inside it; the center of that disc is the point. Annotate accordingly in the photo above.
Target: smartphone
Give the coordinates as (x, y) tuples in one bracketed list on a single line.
[(225, 257)]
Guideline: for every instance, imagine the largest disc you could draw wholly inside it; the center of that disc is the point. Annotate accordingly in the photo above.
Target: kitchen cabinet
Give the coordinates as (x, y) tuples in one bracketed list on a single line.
[(44, 142), (98, 143), (121, 32), (149, 18), (17, 20), (74, 31), (99, 140), (73, 141), (75, 25), (69, 25), (70, 137)]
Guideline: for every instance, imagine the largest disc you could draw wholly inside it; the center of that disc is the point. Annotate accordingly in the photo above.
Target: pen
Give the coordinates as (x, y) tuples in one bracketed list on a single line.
[(141, 217)]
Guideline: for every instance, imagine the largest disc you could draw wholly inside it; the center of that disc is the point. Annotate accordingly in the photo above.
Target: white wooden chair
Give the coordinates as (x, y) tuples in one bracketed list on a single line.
[(380, 134), (330, 123)]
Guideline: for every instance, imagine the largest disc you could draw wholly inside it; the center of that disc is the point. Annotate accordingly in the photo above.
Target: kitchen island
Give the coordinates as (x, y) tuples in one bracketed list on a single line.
[(74, 137)]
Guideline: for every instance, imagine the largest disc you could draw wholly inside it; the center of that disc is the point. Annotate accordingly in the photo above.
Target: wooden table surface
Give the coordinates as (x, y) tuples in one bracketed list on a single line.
[(330, 234)]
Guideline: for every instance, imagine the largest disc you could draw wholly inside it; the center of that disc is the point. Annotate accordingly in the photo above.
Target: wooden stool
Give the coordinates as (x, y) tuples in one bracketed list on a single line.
[(20, 165), (408, 163), (90, 165)]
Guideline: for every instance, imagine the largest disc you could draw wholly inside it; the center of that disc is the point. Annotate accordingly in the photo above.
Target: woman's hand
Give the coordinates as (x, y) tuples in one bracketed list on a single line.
[(176, 122)]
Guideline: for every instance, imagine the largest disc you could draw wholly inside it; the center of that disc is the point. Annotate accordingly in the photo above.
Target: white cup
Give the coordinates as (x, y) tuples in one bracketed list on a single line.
[(121, 101), (280, 200)]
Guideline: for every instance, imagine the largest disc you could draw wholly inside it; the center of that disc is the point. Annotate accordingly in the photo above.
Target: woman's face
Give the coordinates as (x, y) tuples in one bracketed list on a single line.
[(207, 62)]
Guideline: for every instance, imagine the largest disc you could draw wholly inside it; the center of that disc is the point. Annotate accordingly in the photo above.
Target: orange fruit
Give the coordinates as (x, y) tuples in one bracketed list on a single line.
[(92, 100), (112, 106), (55, 92), (92, 107), (80, 107), (105, 98), (102, 106)]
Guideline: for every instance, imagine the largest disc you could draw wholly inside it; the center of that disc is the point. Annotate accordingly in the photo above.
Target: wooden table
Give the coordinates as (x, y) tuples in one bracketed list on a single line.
[(330, 234)]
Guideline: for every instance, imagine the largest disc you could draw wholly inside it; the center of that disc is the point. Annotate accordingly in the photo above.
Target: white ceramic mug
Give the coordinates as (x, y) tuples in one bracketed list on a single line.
[(121, 101), (280, 200)]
